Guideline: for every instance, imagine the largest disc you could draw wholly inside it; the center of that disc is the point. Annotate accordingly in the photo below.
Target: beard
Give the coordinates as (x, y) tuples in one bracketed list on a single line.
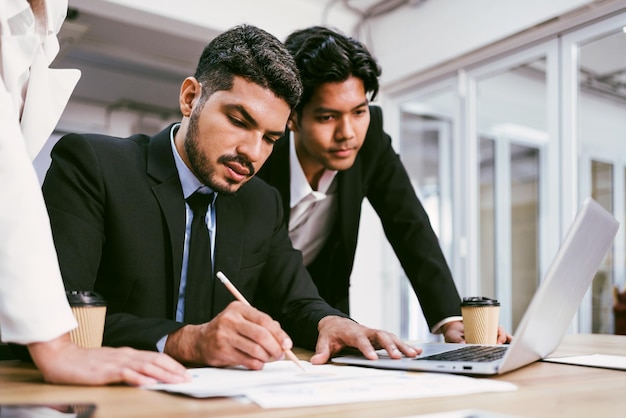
[(202, 167)]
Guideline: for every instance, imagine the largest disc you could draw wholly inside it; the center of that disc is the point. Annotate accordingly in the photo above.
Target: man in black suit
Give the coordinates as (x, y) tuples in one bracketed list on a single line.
[(337, 155), (121, 223)]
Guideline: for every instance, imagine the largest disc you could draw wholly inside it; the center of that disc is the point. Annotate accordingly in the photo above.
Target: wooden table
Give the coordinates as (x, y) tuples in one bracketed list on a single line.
[(544, 390)]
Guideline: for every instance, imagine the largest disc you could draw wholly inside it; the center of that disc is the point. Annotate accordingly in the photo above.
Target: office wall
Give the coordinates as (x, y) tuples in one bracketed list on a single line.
[(413, 39)]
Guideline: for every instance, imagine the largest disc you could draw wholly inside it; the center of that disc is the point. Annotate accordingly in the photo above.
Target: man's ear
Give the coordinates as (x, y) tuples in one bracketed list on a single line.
[(292, 122), (190, 92)]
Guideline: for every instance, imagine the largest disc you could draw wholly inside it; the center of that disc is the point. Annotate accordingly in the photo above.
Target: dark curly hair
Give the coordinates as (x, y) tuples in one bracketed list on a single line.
[(323, 55), (251, 53)]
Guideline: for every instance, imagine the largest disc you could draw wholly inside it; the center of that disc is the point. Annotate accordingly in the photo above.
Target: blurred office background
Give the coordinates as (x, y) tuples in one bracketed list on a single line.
[(507, 114)]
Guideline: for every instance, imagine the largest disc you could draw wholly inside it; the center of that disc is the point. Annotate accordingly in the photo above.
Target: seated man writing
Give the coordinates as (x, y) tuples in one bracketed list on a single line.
[(123, 210)]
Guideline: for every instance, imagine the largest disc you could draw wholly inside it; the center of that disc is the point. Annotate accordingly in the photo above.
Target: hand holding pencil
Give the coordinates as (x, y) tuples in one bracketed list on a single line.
[(239, 335), (232, 289)]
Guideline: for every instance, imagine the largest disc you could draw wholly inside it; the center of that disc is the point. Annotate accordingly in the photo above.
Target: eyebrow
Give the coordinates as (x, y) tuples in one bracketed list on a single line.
[(322, 109), (252, 121)]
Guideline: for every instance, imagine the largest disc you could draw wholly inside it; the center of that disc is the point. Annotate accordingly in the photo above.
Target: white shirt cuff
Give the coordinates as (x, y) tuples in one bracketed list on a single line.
[(437, 328)]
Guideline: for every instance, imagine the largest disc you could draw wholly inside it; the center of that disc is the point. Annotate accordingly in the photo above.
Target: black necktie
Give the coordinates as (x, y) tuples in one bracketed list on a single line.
[(199, 288)]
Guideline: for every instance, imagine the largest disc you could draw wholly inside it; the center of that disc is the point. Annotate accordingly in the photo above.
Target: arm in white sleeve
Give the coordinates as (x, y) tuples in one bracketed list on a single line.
[(33, 306)]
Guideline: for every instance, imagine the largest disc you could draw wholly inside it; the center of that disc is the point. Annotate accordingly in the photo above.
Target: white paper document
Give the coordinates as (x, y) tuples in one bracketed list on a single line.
[(233, 381), (280, 384), (593, 360)]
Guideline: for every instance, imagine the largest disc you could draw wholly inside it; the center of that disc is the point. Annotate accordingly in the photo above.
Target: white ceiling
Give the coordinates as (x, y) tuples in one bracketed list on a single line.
[(123, 63), (134, 56)]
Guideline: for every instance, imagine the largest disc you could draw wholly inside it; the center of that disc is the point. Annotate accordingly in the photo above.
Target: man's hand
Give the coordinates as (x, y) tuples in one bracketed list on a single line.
[(453, 332), (62, 361), (336, 333), (239, 335), (503, 336)]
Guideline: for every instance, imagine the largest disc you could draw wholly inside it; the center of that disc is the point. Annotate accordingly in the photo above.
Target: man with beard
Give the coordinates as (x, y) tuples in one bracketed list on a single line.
[(122, 214)]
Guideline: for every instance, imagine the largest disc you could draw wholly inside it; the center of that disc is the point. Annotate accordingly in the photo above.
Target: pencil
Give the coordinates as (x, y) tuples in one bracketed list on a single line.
[(231, 287)]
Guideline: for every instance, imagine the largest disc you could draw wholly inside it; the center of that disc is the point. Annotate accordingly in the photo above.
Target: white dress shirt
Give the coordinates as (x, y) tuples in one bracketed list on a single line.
[(313, 212)]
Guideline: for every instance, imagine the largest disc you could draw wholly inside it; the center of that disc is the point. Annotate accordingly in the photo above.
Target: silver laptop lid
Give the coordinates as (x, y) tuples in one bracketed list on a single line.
[(557, 299)]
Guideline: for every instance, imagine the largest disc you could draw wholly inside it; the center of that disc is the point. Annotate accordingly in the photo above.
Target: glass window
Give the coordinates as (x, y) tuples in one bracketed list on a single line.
[(602, 286), (487, 236), (535, 132), (524, 227), (601, 112), (511, 112), (427, 124)]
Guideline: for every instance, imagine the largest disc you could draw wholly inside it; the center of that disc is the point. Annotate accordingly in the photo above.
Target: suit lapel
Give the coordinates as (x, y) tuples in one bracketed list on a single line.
[(349, 198), (278, 167), (169, 194)]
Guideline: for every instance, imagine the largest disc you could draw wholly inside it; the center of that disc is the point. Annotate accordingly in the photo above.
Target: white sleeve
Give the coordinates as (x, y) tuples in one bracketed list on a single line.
[(33, 306)]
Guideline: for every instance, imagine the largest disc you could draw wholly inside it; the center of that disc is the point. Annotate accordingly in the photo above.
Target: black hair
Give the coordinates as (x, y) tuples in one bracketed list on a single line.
[(323, 55), (251, 53)]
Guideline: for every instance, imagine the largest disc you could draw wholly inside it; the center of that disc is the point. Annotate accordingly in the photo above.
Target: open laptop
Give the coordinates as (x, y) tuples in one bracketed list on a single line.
[(547, 318)]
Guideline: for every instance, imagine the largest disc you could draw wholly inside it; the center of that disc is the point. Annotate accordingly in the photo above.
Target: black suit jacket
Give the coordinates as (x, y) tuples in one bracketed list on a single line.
[(118, 219), (379, 176)]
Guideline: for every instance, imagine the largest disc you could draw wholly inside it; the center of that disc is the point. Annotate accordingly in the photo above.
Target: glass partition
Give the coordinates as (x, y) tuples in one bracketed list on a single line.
[(595, 61), (504, 155), (602, 190), (427, 123), (511, 108)]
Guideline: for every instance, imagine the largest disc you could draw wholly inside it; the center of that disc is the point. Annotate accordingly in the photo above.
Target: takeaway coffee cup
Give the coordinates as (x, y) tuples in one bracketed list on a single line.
[(480, 319), (89, 308)]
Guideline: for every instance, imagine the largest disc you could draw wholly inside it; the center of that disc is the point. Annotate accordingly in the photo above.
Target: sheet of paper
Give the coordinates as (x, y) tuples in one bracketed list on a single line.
[(593, 360), (398, 385), (210, 382), (281, 384)]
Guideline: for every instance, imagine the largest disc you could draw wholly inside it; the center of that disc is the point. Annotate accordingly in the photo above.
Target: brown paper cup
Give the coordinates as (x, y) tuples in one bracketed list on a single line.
[(89, 309), (480, 320)]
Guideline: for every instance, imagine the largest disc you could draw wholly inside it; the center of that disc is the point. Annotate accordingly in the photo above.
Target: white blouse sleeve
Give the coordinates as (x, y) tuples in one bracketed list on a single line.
[(33, 306)]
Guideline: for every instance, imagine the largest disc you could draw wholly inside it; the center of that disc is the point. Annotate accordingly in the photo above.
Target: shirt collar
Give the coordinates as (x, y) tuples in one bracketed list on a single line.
[(188, 180), (299, 186)]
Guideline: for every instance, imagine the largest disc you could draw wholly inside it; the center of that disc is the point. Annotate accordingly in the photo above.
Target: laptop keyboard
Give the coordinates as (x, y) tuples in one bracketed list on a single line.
[(470, 353)]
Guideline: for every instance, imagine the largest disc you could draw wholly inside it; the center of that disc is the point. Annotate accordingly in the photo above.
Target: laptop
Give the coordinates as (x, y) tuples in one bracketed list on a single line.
[(546, 319)]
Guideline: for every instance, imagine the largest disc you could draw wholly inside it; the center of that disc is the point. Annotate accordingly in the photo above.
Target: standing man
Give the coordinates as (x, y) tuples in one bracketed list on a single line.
[(34, 310), (335, 155), (123, 213)]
